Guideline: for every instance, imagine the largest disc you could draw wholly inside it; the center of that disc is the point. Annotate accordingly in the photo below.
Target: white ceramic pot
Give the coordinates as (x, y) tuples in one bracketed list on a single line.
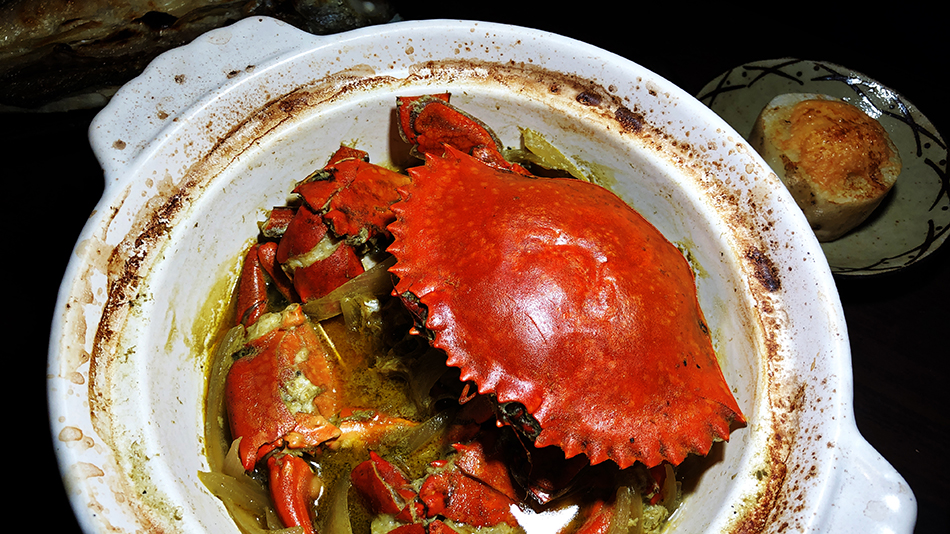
[(214, 133)]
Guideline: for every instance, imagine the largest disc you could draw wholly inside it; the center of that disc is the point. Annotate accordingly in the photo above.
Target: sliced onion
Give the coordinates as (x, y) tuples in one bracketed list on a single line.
[(338, 519), (232, 465), (541, 152), (376, 281), (429, 429), (215, 408), (245, 494), (621, 519), (636, 512), (628, 512), (247, 522), (425, 372), (670, 491), (361, 312)]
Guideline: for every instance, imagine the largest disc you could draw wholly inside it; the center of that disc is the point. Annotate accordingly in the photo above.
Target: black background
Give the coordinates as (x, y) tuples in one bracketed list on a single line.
[(897, 323)]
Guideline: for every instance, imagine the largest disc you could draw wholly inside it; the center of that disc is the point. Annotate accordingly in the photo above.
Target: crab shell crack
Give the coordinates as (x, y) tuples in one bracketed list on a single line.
[(555, 294)]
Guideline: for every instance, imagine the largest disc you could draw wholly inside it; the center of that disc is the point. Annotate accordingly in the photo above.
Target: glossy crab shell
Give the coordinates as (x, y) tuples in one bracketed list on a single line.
[(555, 294)]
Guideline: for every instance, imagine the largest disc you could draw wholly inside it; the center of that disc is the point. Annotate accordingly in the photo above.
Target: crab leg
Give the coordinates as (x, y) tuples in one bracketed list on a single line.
[(385, 489), (293, 488), (267, 256), (252, 290)]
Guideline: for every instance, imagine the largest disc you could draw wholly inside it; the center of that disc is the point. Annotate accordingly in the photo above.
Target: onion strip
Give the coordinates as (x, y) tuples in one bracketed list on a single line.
[(669, 493), (375, 281), (215, 408), (338, 520), (247, 502), (423, 376), (429, 429), (622, 504)]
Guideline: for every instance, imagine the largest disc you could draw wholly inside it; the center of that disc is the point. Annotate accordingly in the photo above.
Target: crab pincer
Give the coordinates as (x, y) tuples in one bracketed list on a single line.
[(293, 488), (353, 195), (429, 123), (386, 489)]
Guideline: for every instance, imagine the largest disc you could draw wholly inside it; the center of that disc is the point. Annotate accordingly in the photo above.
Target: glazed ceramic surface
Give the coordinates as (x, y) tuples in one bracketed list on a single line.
[(214, 134), (913, 219)]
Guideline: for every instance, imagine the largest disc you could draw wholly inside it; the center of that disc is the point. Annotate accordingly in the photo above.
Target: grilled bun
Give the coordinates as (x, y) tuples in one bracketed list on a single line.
[(837, 162)]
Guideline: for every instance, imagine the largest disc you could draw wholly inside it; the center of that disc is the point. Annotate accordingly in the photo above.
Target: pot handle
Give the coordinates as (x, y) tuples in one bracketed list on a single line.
[(149, 108), (870, 496)]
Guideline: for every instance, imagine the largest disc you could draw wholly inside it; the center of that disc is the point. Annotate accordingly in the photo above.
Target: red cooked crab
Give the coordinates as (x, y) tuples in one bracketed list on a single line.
[(551, 295), (554, 294)]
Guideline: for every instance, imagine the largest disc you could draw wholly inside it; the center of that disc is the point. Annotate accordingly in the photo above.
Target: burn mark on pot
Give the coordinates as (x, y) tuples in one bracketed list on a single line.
[(764, 269), (588, 98), (630, 121), (128, 263), (293, 104), (86, 470), (604, 104)]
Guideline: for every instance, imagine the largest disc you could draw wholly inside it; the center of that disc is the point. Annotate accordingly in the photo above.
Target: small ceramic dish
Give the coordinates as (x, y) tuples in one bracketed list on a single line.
[(913, 220), (214, 134)]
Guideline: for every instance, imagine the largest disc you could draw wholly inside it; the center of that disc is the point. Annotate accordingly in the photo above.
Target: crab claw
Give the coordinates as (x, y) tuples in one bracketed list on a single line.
[(459, 497), (385, 489), (353, 195), (483, 461), (316, 263), (278, 391), (293, 488), (430, 122), (252, 298), (267, 256), (251, 290)]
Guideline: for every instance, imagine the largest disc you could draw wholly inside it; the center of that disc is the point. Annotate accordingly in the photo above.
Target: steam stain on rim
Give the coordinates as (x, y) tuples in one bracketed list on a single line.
[(133, 258)]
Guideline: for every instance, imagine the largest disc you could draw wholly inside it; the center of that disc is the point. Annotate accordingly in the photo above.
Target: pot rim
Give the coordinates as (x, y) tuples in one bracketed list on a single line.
[(125, 142)]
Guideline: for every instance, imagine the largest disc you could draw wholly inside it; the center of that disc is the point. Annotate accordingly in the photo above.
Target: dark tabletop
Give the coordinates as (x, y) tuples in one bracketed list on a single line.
[(897, 323)]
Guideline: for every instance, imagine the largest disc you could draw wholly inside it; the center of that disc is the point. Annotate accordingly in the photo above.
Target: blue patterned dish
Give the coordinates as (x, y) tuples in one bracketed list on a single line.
[(913, 220)]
